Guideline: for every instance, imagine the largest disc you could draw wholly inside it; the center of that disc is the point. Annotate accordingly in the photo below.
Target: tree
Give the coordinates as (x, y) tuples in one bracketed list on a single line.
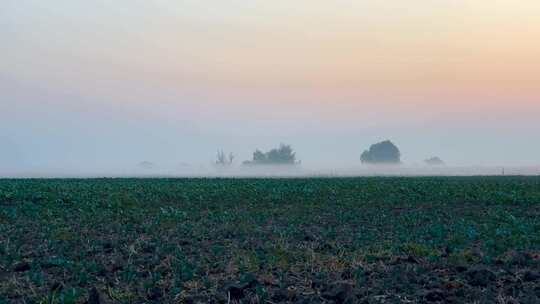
[(282, 155), (223, 160), (382, 153), (259, 157)]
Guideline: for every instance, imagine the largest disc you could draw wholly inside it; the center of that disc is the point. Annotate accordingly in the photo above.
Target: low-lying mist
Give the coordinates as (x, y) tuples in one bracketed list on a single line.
[(302, 170)]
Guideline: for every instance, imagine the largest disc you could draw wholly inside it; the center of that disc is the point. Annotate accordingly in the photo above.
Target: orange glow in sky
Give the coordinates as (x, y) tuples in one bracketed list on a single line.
[(343, 65)]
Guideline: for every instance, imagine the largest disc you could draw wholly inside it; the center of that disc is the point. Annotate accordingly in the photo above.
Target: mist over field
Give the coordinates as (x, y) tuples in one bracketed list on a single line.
[(211, 171)]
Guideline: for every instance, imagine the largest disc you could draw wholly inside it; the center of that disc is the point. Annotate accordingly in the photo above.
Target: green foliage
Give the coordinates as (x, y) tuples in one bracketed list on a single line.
[(143, 240), (283, 155), (382, 153)]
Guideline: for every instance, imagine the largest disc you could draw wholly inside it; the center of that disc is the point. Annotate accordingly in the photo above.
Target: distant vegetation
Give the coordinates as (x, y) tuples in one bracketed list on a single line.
[(382, 153), (434, 161), (284, 155), (224, 159)]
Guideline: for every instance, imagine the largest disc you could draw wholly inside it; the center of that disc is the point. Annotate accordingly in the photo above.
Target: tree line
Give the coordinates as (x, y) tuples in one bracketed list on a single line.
[(384, 152)]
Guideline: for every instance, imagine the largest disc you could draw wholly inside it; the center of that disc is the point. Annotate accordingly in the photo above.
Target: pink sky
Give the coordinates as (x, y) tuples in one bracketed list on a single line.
[(435, 76)]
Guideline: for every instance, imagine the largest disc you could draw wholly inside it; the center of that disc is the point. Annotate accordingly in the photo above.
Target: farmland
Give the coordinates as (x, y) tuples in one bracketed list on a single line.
[(316, 240)]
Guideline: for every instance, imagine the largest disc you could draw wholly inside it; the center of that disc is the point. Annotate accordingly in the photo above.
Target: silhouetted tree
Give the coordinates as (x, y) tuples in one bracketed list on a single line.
[(259, 157), (222, 159), (382, 153), (282, 155)]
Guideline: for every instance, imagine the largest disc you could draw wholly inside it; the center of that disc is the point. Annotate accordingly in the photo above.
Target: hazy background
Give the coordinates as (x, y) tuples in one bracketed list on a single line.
[(99, 86)]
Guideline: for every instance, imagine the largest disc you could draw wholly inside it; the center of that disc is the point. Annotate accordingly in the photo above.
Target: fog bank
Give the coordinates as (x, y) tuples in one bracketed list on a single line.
[(211, 171)]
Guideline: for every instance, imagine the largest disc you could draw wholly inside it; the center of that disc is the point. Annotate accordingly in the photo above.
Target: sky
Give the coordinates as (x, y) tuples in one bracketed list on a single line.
[(95, 84)]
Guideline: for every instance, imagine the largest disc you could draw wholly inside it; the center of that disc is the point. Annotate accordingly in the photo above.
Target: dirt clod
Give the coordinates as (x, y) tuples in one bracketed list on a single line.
[(480, 277), (22, 267), (435, 295), (531, 276), (236, 291), (339, 292)]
